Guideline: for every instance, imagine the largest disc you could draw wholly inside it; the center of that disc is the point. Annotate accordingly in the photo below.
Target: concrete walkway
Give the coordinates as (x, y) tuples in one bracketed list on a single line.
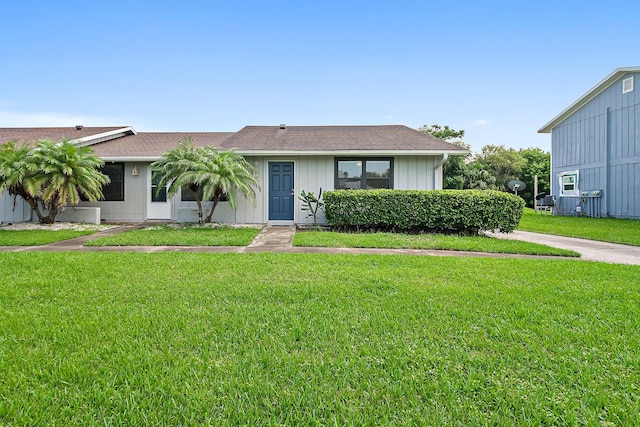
[(591, 250), (273, 238), (280, 239)]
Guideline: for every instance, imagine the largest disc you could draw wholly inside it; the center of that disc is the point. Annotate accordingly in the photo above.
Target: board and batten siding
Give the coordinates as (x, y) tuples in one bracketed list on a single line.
[(311, 174), (315, 172), (602, 141), (417, 173), (11, 212)]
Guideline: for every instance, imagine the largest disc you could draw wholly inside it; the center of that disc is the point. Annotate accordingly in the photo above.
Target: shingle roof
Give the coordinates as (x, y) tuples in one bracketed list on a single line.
[(56, 134), (250, 139), (335, 139), (153, 144)]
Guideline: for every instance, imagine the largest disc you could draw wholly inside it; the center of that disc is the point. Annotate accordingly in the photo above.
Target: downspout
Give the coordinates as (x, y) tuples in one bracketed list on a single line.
[(437, 166), (607, 169), (441, 162)]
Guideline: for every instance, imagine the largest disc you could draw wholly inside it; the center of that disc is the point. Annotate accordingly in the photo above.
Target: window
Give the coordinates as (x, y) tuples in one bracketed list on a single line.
[(569, 183), (364, 173), (186, 195), (114, 190), (155, 195)]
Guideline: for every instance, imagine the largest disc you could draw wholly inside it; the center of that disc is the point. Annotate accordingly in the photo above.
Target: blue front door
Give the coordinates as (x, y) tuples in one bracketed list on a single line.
[(280, 191)]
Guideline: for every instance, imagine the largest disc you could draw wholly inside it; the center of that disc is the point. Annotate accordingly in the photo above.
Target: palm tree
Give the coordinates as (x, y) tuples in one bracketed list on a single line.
[(209, 173), (18, 172), (51, 175), (67, 171), (232, 173)]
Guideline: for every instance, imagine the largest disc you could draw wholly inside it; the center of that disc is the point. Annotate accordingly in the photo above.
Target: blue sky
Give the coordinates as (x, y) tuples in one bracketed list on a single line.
[(498, 70)]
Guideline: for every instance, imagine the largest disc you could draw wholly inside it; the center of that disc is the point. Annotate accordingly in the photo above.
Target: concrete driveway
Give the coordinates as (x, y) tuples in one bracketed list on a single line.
[(590, 250)]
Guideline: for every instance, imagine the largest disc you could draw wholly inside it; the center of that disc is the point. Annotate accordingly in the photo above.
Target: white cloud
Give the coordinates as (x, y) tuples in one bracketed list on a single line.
[(480, 122), (47, 119)]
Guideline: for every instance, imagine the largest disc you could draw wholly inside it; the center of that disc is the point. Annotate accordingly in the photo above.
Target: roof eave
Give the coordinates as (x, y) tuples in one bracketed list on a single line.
[(588, 96), (350, 152), (256, 153), (140, 159)]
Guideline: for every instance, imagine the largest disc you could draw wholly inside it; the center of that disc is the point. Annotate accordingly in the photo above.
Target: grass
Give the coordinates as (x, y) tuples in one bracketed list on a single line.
[(180, 235), (614, 230), (424, 241), (38, 237), (303, 339)]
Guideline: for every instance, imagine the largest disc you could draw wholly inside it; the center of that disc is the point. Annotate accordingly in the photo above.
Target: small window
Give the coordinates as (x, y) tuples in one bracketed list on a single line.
[(569, 183), (363, 173), (114, 190), (157, 196), (627, 85)]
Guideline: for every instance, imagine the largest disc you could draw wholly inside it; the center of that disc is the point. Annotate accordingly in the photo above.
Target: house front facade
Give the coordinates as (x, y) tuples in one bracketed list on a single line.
[(595, 150), (288, 159)]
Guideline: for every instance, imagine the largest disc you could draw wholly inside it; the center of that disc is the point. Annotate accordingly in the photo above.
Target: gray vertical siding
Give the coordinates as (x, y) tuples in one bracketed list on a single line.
[(10, 212), (133, 208), (602, 141), (311, 173)]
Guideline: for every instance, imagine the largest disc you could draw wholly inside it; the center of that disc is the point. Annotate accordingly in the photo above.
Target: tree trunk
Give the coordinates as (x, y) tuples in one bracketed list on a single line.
[(51, 217), (33, 204), (213, 208), (198, 197)]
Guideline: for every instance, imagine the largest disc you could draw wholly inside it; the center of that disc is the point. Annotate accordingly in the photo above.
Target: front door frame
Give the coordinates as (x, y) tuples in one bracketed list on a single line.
[(268, 190)]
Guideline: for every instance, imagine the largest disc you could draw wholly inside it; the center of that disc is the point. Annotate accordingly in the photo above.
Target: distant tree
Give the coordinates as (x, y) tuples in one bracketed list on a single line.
[(455, 168), (538, 162), (476, 178), (504, 163), (209, 173), (443, 132), (51, 175)]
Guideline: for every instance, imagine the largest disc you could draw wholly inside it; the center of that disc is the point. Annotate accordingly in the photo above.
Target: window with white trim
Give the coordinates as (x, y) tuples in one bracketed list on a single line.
[(569, 183)]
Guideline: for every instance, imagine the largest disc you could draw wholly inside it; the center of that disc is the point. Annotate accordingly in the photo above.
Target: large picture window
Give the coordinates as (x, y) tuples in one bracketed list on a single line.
[(363, 173), (114, 190)]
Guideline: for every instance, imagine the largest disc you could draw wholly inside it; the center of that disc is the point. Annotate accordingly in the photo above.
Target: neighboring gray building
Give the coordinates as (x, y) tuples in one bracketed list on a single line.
[(595, 150), (288, 159)]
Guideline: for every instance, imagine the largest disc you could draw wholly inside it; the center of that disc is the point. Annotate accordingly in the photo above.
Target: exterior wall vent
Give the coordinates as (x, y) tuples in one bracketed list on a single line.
[(627, 85)]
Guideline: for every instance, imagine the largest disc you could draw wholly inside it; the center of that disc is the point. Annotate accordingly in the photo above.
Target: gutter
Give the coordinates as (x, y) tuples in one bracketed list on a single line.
[(442, 161)]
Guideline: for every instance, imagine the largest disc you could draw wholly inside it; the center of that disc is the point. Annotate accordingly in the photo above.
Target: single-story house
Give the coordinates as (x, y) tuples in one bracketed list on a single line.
[(288, 159), (595, 150)]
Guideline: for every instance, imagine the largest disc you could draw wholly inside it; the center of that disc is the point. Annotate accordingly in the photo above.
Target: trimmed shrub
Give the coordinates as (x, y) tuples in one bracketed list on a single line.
[(437, 211)]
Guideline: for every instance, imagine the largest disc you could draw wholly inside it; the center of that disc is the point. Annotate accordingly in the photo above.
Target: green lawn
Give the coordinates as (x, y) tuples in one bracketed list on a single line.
[(424, 241), (37, 237), (180, 235), (303, 339), (626, 231)]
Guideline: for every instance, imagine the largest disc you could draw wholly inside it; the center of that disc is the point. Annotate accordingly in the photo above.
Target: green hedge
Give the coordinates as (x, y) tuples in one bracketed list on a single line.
[(440, 211)]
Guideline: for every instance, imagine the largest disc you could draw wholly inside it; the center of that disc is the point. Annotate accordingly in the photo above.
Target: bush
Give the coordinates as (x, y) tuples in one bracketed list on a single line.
[(439, 211)]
